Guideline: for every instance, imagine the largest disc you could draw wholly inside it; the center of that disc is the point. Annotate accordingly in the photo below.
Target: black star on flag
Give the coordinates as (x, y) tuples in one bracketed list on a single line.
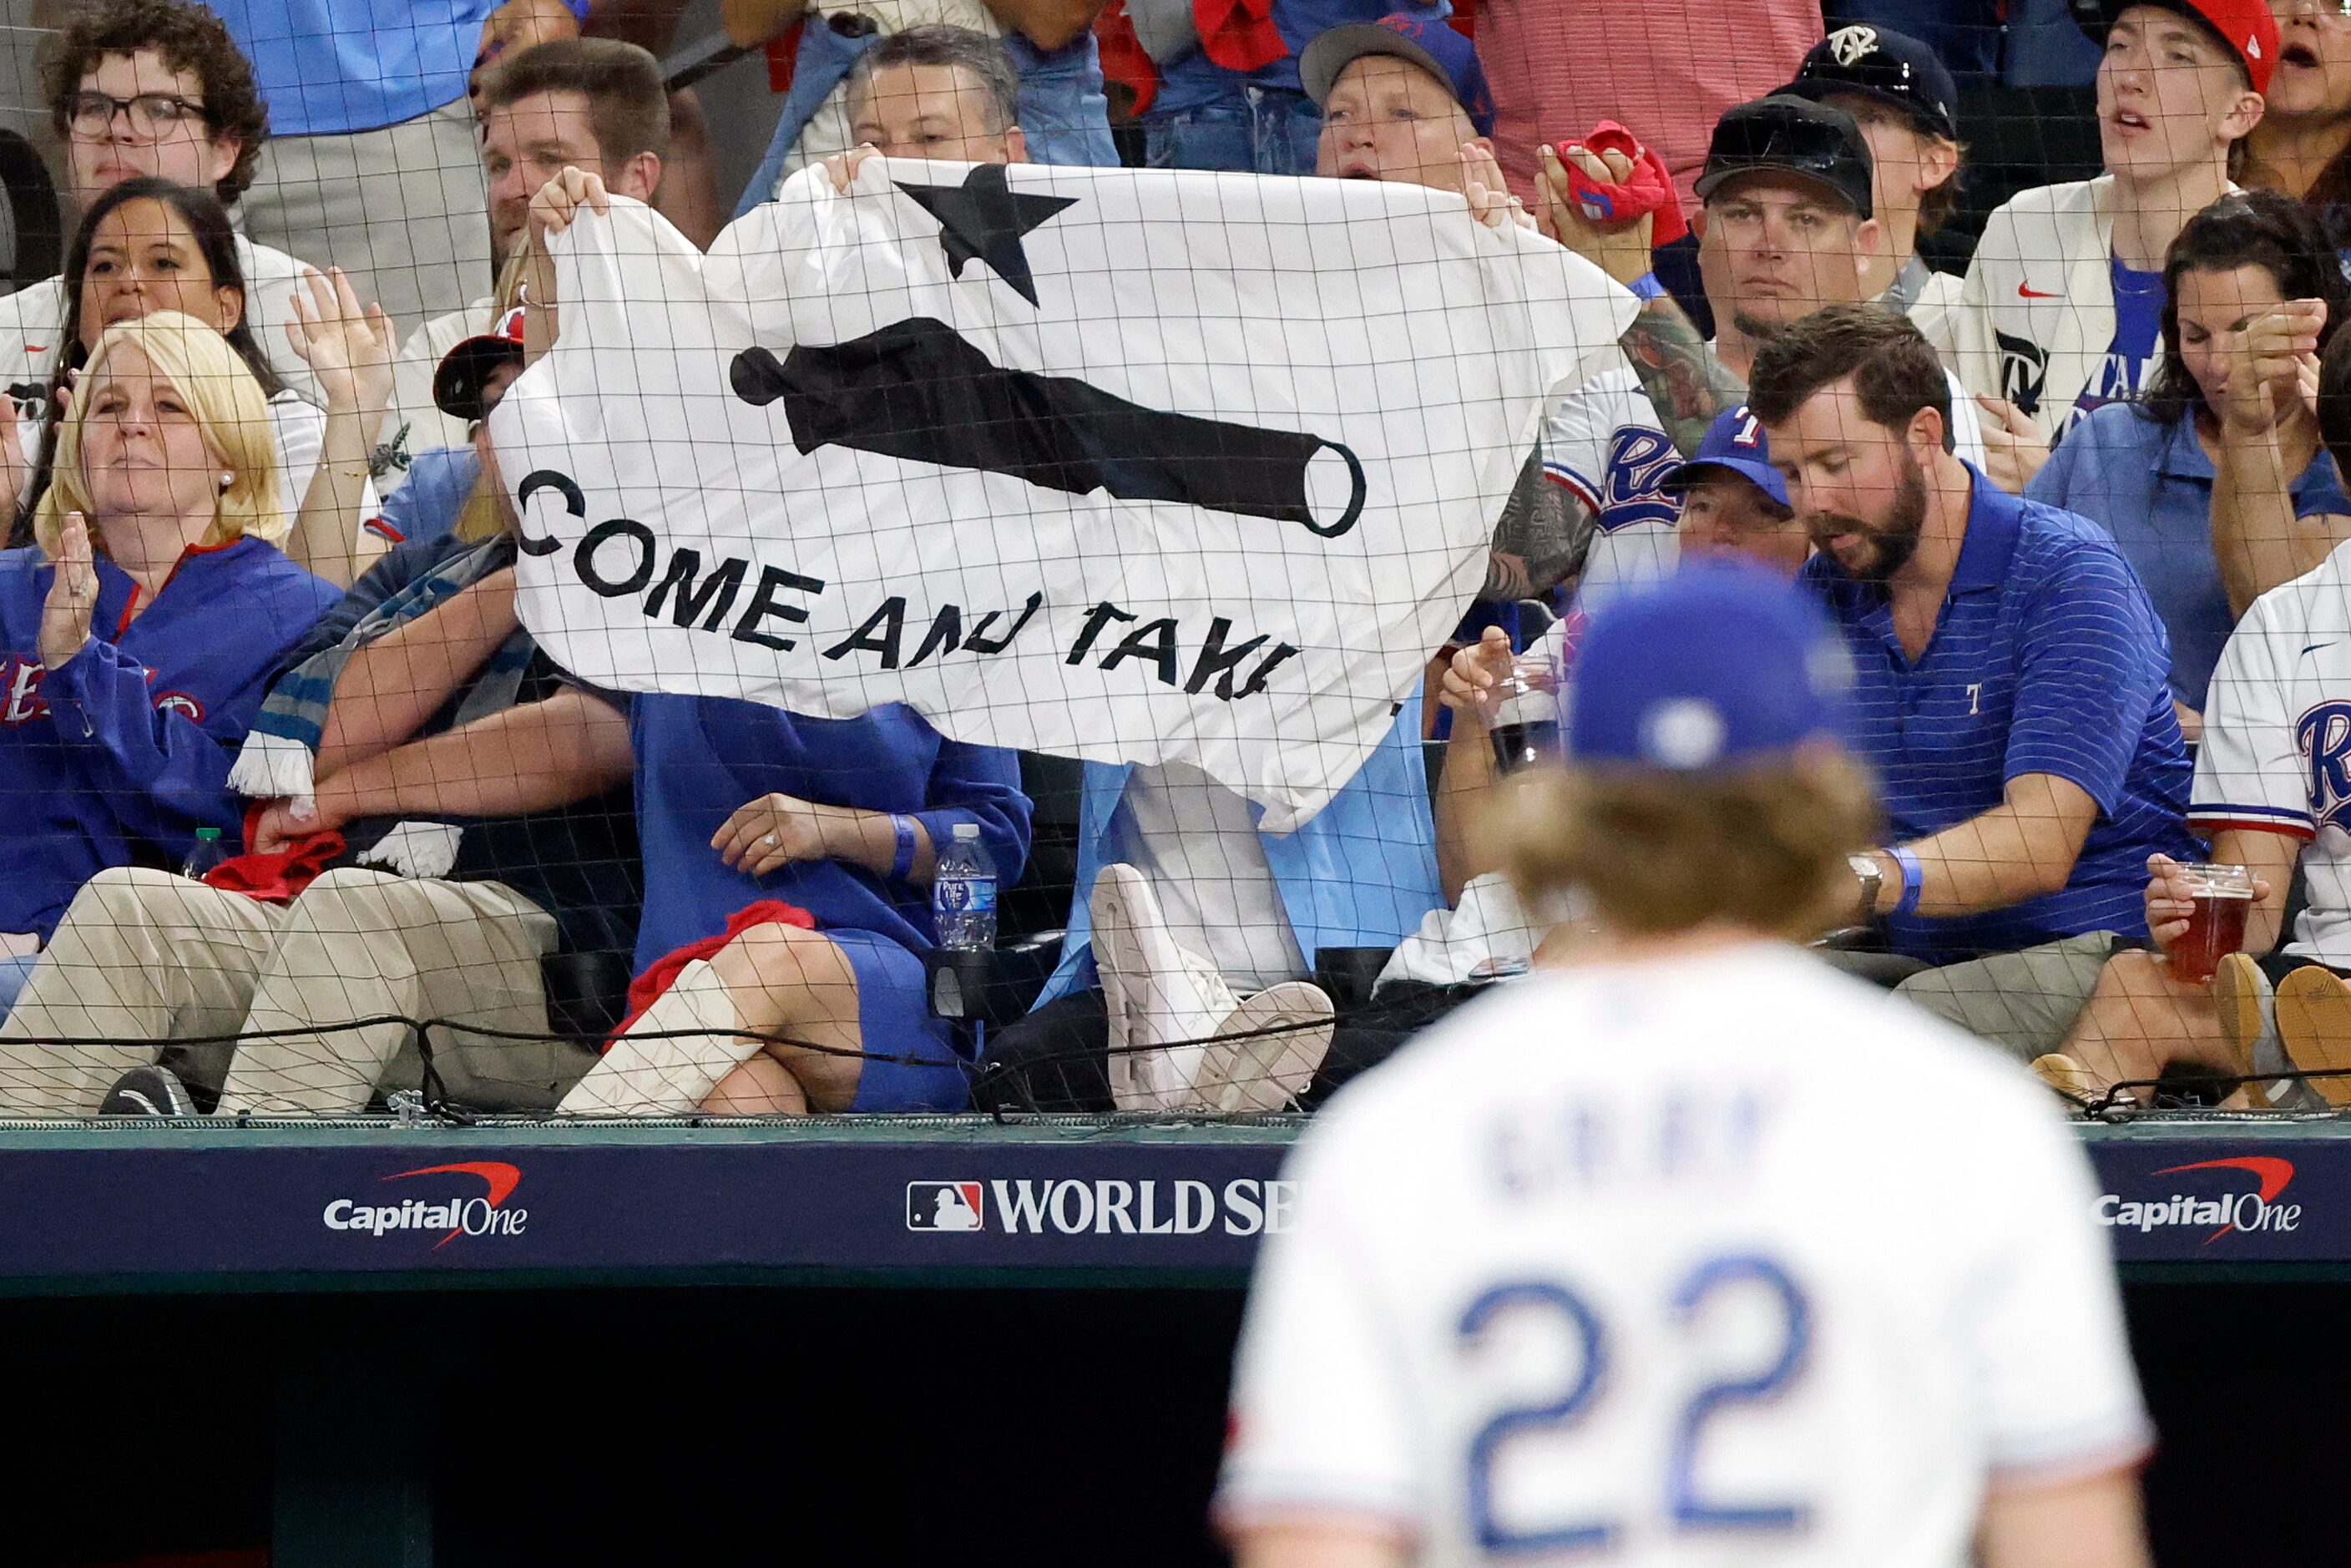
[(984, 217)]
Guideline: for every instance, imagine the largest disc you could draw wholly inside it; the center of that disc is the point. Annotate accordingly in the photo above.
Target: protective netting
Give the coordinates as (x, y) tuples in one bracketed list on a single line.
[(675, 559)]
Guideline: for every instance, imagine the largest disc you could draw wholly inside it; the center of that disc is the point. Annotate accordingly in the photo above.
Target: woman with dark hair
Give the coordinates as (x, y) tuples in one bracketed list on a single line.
[(2302, 148), (148, 244), (2172, 475)]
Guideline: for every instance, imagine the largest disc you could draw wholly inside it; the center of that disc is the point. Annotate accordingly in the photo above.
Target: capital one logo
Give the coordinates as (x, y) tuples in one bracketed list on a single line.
[(2238, 1211), (463, 1212)]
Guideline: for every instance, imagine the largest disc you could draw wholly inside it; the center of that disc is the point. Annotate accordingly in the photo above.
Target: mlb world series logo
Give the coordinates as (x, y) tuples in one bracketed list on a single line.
[(1101, 1206)]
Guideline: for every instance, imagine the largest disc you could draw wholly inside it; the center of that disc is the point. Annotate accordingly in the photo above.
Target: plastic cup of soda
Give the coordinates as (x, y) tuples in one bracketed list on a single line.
[(2220, 897)]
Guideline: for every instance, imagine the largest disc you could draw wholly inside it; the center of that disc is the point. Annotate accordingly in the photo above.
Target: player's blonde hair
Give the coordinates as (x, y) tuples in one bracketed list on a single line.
[(229, 407), (1764, 847)]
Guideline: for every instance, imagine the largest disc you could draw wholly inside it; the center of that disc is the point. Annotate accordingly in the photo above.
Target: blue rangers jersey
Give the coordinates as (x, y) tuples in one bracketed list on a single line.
[(117, 756)]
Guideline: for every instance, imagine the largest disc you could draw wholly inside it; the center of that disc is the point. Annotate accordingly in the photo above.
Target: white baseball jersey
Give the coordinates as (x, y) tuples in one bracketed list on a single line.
[(2276, 752), (1604, 441), (1620, 1258)]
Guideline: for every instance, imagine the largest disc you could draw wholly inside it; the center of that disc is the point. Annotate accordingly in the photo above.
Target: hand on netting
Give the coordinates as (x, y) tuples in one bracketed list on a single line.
[(1490, 201), (348, 346), (73, 596), (842, 167), (2014, 448), (1472, 685), (774, 831), (2169, 904), (1620, 250)]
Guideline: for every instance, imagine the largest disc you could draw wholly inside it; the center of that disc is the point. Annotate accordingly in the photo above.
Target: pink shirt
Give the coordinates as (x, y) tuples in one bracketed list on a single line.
[(1665, 68)]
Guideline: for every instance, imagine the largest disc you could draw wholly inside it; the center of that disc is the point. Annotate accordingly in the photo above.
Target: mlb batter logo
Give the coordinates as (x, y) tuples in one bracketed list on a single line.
[(944, 1205)]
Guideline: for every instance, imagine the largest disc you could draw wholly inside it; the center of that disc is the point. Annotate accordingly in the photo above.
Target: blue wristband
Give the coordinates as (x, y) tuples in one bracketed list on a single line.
[(1914, 879), (1647, 287), (578, 9), (902, 865)]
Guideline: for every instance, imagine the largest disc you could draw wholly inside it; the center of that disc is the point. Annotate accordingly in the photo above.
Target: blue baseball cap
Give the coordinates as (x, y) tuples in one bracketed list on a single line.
[(1734, 441), (1433, 45), (1709, 669)]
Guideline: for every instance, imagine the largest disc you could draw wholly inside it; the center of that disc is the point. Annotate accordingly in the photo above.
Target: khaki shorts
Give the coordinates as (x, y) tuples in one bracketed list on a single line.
[(2025, 1002)]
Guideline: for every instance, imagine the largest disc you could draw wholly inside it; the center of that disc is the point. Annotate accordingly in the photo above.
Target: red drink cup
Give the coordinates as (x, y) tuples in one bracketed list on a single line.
[(2220, 897)]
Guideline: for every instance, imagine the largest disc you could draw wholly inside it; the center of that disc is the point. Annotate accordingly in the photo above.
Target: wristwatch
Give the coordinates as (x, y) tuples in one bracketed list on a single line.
[(1872, 877)]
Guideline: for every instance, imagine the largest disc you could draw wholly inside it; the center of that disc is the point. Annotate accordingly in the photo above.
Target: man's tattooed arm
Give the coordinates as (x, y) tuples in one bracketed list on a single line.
[(1686, 383)]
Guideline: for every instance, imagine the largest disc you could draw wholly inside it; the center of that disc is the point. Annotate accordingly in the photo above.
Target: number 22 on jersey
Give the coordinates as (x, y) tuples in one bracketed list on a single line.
[(1579, 1409)]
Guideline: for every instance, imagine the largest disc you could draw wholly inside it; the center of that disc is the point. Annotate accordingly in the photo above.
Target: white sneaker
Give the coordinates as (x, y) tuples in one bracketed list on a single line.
[(1165, 1002), (1284, 1033)]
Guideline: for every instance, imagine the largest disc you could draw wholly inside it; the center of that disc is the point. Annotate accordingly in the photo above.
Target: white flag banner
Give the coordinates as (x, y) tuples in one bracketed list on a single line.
[(1119, 465)]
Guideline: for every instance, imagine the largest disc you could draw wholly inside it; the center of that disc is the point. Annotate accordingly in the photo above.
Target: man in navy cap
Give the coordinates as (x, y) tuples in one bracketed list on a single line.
[(1906, 103), (1939, 1370)]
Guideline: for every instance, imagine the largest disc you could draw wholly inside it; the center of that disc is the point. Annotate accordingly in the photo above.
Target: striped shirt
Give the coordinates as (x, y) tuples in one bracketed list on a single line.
[(2047, 658)]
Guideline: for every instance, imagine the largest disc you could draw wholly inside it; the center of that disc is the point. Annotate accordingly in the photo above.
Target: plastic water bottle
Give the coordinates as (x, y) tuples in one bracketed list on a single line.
[(208, 854), (963, 892)]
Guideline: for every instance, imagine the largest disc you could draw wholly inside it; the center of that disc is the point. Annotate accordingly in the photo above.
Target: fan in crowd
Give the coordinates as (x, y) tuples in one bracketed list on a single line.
[(2064, 301), (1906, 105), (153, 89), (380, 904), (2214, 481), (2010, 673), (594, 104), (2297, 148), (146, 621), (1786, 230)]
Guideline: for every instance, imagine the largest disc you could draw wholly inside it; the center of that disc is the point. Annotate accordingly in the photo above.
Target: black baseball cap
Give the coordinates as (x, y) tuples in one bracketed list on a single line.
[(1893, 68), (466, 369), (1790, 136)]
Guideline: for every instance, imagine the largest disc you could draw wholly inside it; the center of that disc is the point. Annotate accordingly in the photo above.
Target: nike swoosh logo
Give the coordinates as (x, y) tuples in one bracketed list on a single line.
[(2314, 648), (2026, 291)]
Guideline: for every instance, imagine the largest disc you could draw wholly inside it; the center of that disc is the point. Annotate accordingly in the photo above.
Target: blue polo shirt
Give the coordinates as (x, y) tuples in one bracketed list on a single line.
[(328, 68), (2151, 485), (2047, 658)]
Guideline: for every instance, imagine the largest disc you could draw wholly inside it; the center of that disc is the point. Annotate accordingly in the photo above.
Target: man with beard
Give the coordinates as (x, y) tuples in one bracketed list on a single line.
[(2011, 686)]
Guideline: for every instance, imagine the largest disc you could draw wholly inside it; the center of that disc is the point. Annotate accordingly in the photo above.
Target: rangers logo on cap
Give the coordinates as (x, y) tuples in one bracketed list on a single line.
[(1851, 45)]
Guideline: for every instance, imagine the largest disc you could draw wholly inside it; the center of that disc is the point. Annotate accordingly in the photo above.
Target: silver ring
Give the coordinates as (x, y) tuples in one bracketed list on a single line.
[(769, 840)]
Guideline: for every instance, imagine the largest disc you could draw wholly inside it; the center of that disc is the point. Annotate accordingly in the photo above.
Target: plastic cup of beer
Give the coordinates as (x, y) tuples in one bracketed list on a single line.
[(2220, 897), (1526, 719)]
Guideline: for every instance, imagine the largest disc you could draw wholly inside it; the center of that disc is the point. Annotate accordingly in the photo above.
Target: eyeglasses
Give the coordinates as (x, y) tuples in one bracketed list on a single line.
[(152, 115)]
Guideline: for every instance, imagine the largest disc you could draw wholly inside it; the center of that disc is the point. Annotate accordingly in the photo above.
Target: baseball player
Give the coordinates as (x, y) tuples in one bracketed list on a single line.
[(1612, 1263)]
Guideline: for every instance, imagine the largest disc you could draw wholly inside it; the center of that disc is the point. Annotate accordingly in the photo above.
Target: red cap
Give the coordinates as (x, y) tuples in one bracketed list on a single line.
[(2245, 26)]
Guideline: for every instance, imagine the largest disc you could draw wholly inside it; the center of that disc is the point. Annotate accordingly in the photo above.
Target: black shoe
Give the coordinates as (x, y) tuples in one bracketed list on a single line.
[(148, 1092)]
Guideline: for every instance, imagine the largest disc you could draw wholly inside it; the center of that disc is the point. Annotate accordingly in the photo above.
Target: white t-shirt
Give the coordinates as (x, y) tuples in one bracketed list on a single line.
[(1604, 441), (1196, 840), (2276, 753), (1616, 1251)]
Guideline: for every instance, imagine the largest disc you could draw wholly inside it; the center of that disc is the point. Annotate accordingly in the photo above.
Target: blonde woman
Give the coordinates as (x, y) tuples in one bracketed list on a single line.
[(141, 629)]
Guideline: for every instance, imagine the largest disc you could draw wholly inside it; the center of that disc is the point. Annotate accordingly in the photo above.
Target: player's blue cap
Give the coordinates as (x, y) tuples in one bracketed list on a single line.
[(1734, 441), (1714, 667), (1430, 44)]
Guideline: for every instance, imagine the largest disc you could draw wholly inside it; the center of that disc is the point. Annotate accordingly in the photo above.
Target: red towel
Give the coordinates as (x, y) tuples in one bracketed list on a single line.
[(1123, 55), (1238, 35), (1649, 188), (662, 972), (279, 876)]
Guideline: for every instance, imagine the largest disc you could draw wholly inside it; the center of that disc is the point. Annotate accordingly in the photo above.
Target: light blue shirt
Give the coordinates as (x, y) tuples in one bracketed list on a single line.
[(328, 68), (2150, 486), (1359, 872)]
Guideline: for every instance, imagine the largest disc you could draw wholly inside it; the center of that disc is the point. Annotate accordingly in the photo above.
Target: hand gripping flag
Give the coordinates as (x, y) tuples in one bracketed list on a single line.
[(1119, 465)]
